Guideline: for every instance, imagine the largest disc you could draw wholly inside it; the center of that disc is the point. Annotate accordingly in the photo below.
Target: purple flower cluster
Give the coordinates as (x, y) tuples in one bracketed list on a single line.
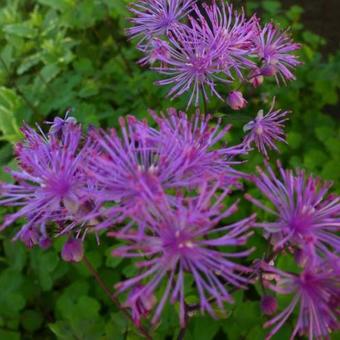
[(306, 223), (164, 192), (197, 46), (160, 189)]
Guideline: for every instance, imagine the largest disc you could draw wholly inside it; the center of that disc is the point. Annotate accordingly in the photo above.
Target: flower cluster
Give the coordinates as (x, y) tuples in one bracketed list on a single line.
[(164, 192), (306, 223), (161, 189), (196, 45)]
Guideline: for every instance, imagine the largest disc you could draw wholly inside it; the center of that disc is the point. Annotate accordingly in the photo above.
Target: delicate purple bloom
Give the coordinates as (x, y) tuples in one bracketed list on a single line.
[(304, 216), (268, 305), (197, 139), (49, 181), (73, 250), (135, 172), (316, 295), (275, 50), (265, 130), (208, 50), (236, 101), (154, 18), (184, 241)]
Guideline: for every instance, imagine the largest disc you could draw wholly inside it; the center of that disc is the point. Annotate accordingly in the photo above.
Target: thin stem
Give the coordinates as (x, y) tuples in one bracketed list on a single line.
[(181, 334), (186, 319), (204, 99), (111, 296)]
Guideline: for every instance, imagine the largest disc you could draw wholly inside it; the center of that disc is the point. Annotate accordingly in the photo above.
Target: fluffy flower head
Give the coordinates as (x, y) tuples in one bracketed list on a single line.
[(50, 185), (265, 130), (185, 241), (316, 292), (305, 217)]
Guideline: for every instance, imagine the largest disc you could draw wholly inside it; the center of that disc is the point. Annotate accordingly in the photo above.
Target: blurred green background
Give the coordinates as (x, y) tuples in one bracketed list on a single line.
[(56, 54)]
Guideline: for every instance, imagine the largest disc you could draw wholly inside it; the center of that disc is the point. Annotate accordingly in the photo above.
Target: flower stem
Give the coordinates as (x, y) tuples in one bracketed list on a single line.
[(204, 99), (110, 295)]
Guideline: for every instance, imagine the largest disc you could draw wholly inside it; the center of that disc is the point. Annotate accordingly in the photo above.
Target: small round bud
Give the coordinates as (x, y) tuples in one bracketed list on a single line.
[(256, 77), (268, 305), (45, 243), (73, 250), (268, 70), (236, 101)]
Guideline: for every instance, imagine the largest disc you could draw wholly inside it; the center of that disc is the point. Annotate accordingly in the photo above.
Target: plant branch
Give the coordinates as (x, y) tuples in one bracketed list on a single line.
[(111, 296)]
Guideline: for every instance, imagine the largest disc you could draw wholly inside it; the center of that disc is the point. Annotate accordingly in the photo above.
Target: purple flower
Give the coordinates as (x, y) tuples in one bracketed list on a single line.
[(49, 182), (275, 50), (73, 250), (208, 50), (136, 171), (197, 139), (236, 101), (154, 18), (186, 241), (316, 291), (304, 216), (126, 171), (265, 130), (268, 305)]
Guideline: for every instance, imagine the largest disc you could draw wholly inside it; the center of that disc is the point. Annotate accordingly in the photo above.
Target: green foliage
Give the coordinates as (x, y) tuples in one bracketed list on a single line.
[(60, 53)]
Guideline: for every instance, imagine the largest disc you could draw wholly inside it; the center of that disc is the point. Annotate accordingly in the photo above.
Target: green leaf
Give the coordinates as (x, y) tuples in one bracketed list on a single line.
[(62, 330), (23, 30), (49, 72), (271, 6), (204, 328), (31, 320), (10, 105), (16, 254), (9, 335), (28, 63)]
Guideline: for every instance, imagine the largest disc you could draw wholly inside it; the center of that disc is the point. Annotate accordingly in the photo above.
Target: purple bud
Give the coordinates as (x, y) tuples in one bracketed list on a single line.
[(236, 101), (30, 238), (73, 250), (256, 77), (268, 70), (45, 243), (268, 305)]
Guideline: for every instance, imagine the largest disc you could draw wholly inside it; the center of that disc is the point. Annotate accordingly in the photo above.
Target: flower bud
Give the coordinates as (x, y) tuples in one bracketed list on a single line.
[(236, 101), (268, 305), (30, 238), (268, 70), (45, 243), (256, 77), (73, 250)]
